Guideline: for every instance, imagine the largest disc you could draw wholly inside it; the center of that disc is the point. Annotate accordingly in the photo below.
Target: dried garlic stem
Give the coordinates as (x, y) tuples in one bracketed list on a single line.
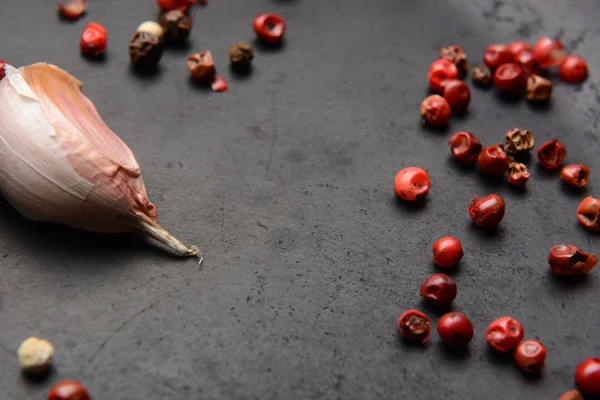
[(157, 232)]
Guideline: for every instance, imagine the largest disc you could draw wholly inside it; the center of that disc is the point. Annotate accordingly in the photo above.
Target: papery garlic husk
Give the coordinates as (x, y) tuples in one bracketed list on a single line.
[(59, 162)]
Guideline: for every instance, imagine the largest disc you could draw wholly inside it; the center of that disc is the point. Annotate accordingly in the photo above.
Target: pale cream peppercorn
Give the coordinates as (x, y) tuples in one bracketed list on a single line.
[(35, 355), (151, 27)]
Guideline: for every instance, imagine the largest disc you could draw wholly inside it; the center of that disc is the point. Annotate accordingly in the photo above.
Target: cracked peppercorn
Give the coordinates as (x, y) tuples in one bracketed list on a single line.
[(518, 141), (68, 390), (435, 111), (538, 89), (414, 326), (482, 75), (588, 214), (510, 78), (518, 174), (576, 175), (457, 56), (438, 289), (568, 260), (587, 376), (504, 334), (530, 356), (202, 66), (269, 28), (551, 154), (465, 147), (487, 212), (493, 160), (411, 184), (176, 25), (447, 252), (455, 329), (440, 72), (241, 56), (496, 55), (146, 46)]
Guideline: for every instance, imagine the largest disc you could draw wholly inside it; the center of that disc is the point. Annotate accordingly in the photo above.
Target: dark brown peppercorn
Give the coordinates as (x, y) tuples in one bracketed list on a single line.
[(202, 66), (241, 56), (176, 25), (518, 140), (538, 88), (457, 56), (482, 75), (145, 50)]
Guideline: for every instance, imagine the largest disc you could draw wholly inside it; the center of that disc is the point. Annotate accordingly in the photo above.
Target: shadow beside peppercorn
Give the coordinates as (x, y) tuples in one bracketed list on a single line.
[(435, 309), (151, 74), (540, 105), (411, 344), (509, 98), (454, 353), (492, 232), (263, 47), (498, 358), (200, 86), (38, 378), (180, 46), (95, 59), (572, 190), (62, 18), (569, 282), (410, 205), (240, 73)]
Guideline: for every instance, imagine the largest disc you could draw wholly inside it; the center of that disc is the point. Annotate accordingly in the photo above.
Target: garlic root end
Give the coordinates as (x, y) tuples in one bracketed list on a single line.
[(156, 232)]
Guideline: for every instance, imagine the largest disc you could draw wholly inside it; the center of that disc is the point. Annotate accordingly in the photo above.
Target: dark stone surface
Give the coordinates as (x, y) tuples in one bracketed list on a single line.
[(285, 182)]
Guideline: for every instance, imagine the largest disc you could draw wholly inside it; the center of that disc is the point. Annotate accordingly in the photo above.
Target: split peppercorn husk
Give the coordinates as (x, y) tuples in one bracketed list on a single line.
[(241, 56), (538, 89), (482, 75), (146, 46), (518, 140), (60, 163), (457, 56), (176, 25)]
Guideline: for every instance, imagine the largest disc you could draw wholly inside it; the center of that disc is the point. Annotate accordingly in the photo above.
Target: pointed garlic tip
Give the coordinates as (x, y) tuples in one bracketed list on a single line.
[(156, 232), (151, 27)]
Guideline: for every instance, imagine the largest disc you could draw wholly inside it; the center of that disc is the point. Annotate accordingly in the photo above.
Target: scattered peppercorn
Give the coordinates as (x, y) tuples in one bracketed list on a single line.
[(72, 9), (488, 211), (35, 355), (518, 141), (516, 48), (527, 63), (219, 84), (504, 334), (465, 147), (538, 89), (241, 56), (530, 356), (202, 66), (176, 25), (411, 184), (168, 5), (551, 154), (440, 72), (68, 390), (438, 289), (269, 28), (493, 160), (482, 75), (435, 111), (2, 71), (510, 78), (414, 326), (496, 55), (146, 46), (447, 252), (548, 52), (588, 213), (571, 395), (518, 174), (455, 329), (93, 40), (457, 56), (587, 376), (458, 95), (568, 260), (576, 175), (573, 69)]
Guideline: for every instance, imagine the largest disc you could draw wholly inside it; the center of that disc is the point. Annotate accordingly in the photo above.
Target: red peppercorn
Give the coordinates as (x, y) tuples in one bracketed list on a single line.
[(588, 213), (551, 154), (219, 84), (465, 147), (202, 66), (2, 71), (573, 69), (441, 71), (518, 174), (571, 395), (414, 326), (435, 111), (438, 289), (530, 356), (515, 48), (548, 52), (488, 211), (510, 78), (72, 9), (447, 252), (527, 63), (587, 376), (269, 28), (457, 56), (458, 95), (493, 160), (504, 334), (68, 390), (455, 329), (496, 55), (168, 5), (411, 184), (576, 175), (568, 260), (93, 40)]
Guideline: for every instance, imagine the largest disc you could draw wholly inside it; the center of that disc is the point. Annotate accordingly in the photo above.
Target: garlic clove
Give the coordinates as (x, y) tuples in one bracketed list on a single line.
[(59, 162)]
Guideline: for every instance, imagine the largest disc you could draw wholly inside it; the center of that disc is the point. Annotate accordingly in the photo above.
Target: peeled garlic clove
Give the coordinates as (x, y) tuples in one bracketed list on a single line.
[(35, 355), (59, 162)]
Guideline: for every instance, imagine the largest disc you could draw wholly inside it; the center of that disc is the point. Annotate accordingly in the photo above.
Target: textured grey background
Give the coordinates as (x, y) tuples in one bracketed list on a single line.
[(285, 182)]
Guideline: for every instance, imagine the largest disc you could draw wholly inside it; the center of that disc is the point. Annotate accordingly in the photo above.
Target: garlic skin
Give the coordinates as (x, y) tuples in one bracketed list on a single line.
[(59, 162)]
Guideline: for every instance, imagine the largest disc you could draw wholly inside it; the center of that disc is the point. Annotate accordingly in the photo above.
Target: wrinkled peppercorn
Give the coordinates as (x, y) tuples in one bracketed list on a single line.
[(551, 154), (146, 46), (588, 214), (176, 25), (482, 75), (518, 174), (457, 56), (241, 56), (576, 175), (568, 260), (202, 66), (538, 88), (518, 140)]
